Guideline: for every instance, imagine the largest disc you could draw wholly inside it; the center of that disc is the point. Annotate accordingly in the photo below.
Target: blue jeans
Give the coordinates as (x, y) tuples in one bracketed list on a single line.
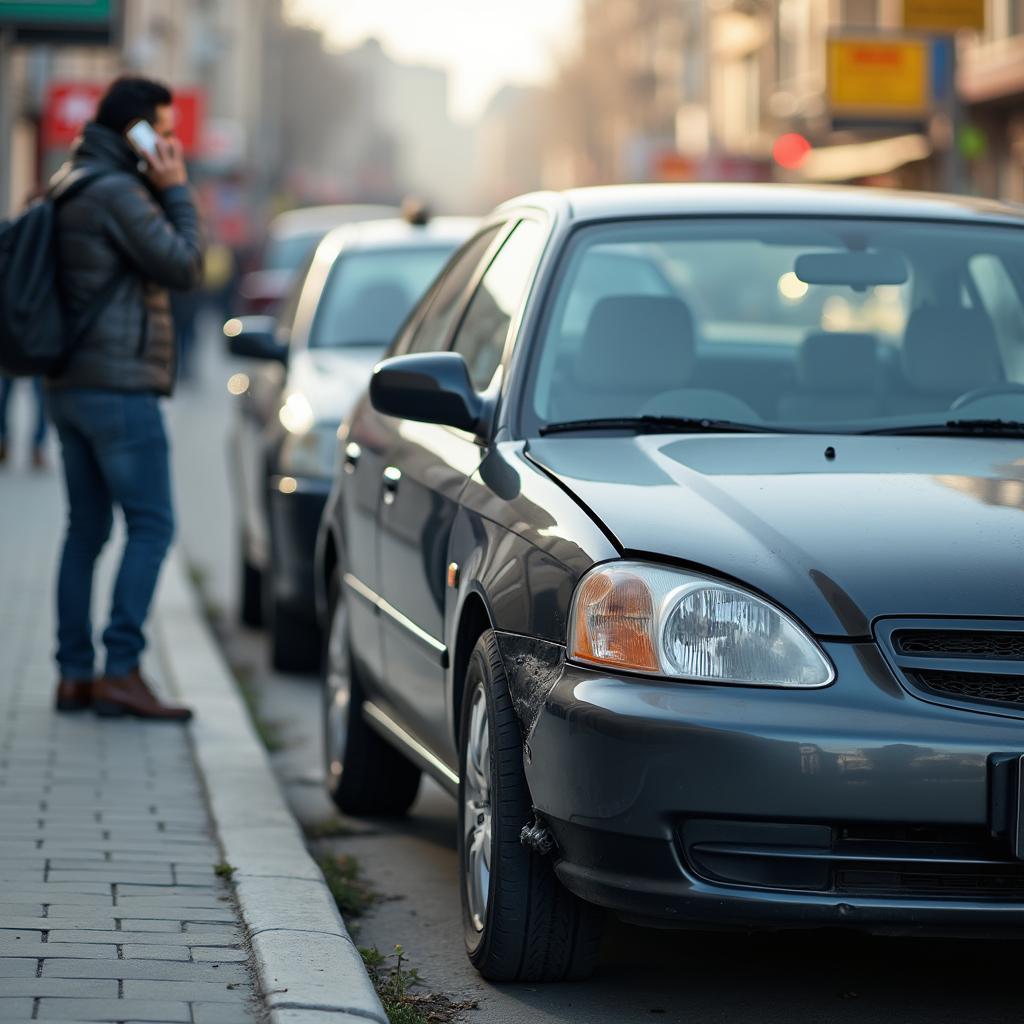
[(115, 452), (39, 434)]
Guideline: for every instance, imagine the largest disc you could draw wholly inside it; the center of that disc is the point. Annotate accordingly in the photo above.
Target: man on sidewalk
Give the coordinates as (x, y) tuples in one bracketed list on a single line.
[(137, 225)]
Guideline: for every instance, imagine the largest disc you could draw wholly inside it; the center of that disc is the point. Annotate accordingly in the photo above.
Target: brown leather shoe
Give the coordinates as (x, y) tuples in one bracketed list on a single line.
[(114, 696), (74, 694)]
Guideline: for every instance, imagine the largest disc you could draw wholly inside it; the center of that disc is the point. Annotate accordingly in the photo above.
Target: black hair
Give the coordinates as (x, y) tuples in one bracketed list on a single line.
[(129, 99)]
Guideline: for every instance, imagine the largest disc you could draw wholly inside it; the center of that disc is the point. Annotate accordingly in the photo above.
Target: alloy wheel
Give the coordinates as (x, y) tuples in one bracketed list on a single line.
[(477, 811)]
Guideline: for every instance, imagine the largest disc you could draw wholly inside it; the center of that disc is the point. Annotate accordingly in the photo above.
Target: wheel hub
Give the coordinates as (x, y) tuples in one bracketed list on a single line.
[(477, 811)]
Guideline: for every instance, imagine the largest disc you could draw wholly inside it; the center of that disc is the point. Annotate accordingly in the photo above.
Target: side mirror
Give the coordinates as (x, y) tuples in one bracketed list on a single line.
[(431, 387), (254, 337)]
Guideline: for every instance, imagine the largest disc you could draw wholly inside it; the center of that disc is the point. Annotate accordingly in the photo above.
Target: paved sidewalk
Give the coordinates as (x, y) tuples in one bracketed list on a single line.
[(110, 909)]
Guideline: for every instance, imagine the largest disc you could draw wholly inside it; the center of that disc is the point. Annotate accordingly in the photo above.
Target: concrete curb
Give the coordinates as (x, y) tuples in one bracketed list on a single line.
[(308, 965)]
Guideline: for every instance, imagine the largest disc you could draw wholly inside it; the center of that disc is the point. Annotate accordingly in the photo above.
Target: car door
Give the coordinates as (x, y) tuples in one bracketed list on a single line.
[(255, 429), (427, 469), (367, 451)]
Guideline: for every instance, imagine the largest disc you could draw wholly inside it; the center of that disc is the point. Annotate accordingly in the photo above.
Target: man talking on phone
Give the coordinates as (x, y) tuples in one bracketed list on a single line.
[(126, 234)]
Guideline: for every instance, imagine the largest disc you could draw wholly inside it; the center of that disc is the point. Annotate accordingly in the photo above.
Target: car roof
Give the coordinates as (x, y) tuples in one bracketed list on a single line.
[(309, 220), (725, 199), (397, 233)]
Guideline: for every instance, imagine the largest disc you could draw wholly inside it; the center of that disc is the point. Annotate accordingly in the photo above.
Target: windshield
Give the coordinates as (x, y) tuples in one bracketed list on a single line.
[(841, 325), (369, 294), (289, 252)]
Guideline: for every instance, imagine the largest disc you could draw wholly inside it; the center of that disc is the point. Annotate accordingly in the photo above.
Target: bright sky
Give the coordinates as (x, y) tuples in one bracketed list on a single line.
[(483, 43)]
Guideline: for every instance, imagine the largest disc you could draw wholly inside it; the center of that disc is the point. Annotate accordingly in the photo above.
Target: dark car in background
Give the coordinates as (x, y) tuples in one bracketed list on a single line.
[(680, 538), (291, 239), (316, 357)]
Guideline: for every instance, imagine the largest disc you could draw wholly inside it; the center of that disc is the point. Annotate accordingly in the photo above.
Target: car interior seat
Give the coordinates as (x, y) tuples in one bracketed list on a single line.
[(947, 351), (837, 379), (634, 347)]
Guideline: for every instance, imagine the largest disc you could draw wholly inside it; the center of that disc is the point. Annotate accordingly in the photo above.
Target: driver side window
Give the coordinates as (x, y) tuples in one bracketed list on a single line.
[(481, 336), (432, 331)]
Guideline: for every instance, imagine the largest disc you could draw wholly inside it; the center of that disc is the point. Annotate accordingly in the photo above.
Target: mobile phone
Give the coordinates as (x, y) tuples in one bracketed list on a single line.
[(142, 138)]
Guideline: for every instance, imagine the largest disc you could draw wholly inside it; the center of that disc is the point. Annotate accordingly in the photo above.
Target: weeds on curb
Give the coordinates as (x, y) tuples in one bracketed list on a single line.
[(342, 874), (328, 828), (224, 870), (393, 981)]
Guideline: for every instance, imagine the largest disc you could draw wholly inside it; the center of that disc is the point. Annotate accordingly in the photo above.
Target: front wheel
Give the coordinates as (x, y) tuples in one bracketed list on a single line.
[(365, 776), (250, 587), (520, 923)]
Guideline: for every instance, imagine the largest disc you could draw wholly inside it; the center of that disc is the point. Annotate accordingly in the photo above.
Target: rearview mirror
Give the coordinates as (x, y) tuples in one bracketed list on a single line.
[(254, 337), (857, 270), (431, 387)]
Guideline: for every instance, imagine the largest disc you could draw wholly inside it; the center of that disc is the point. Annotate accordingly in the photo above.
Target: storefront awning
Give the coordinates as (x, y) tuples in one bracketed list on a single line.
[(863, 159)]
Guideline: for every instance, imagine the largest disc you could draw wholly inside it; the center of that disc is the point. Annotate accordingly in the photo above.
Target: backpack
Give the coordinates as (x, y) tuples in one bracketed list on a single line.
[(36, 335)]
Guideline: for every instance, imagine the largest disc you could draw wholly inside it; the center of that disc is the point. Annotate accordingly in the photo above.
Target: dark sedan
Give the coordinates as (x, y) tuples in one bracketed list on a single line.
[(679, 538), (356, 289)]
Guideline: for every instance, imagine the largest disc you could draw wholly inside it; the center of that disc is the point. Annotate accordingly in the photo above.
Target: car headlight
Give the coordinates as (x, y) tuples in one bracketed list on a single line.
[(312, 453), (667, 622)]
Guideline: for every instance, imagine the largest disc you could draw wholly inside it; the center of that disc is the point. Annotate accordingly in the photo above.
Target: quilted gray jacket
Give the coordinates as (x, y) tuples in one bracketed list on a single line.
[(119, 225)]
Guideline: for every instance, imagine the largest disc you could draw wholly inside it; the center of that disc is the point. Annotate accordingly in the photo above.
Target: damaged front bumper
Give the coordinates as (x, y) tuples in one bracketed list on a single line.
[(855, 805)]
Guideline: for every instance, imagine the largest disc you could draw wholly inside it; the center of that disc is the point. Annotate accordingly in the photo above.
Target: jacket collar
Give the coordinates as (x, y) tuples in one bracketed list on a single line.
[(100, 145)]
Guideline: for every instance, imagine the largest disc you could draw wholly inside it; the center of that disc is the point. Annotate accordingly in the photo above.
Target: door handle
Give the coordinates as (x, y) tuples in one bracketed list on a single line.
[(392, 475), (352, 453)]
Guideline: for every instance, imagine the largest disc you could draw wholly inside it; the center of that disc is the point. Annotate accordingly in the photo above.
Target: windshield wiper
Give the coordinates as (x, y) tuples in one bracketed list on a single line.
[(658, 424), (961, 428)]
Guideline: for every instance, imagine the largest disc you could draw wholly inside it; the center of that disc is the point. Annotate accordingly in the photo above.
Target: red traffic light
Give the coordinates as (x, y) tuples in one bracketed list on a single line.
[(790, 150)]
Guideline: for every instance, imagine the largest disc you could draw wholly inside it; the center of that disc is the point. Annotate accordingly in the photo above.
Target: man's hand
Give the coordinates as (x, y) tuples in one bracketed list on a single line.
[(167, 165)]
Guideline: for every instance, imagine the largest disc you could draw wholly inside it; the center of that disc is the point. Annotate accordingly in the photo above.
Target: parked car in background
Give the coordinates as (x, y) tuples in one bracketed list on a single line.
[(316, 357), (706, 615), (291, 239)]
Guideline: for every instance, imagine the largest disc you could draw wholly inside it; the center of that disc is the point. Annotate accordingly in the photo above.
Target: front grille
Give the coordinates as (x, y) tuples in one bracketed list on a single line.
[(863, 860), (972, 686), (971, 663), (959, 644)]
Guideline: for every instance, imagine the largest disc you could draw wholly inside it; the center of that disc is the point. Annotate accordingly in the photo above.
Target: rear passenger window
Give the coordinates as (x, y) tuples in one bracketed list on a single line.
[(432, 332), (481, 337)]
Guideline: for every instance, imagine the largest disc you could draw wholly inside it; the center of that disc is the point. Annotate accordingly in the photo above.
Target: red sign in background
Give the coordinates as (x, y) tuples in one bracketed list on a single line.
[(70, 104)]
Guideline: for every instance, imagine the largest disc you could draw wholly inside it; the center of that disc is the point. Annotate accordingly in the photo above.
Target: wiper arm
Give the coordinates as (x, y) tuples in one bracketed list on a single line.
[(961, 428), (658, 424)]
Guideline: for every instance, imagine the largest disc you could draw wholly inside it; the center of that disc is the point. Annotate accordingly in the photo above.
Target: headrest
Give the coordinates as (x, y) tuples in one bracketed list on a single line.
[(947, 350), (838, 363), (637, 343)]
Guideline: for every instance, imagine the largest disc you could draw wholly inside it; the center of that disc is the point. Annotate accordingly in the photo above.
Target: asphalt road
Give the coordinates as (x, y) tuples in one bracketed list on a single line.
[(644, 975)]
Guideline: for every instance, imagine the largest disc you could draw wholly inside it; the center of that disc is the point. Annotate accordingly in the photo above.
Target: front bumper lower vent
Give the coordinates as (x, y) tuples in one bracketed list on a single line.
[(857, 860)]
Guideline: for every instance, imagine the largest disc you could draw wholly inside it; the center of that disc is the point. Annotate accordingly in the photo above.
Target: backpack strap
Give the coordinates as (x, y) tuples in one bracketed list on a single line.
[(75, 181)]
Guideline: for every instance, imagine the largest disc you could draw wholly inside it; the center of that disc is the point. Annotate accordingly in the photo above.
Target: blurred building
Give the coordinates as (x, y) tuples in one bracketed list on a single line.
[(992, 86), (702, 90), (398, 136), (509, 151), (214, 50)]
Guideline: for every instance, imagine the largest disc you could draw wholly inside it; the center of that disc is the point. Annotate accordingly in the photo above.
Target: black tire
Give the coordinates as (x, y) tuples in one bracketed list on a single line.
[(531, 927), (250, 586), (295, 639), (368, 777)]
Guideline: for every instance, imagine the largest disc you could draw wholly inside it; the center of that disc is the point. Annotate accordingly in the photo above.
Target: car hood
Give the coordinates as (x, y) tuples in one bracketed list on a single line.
[(332, 379), (891, 526)]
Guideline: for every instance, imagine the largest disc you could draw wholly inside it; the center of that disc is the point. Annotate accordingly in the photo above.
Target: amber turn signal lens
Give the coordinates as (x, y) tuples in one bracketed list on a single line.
[(614, 622)]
